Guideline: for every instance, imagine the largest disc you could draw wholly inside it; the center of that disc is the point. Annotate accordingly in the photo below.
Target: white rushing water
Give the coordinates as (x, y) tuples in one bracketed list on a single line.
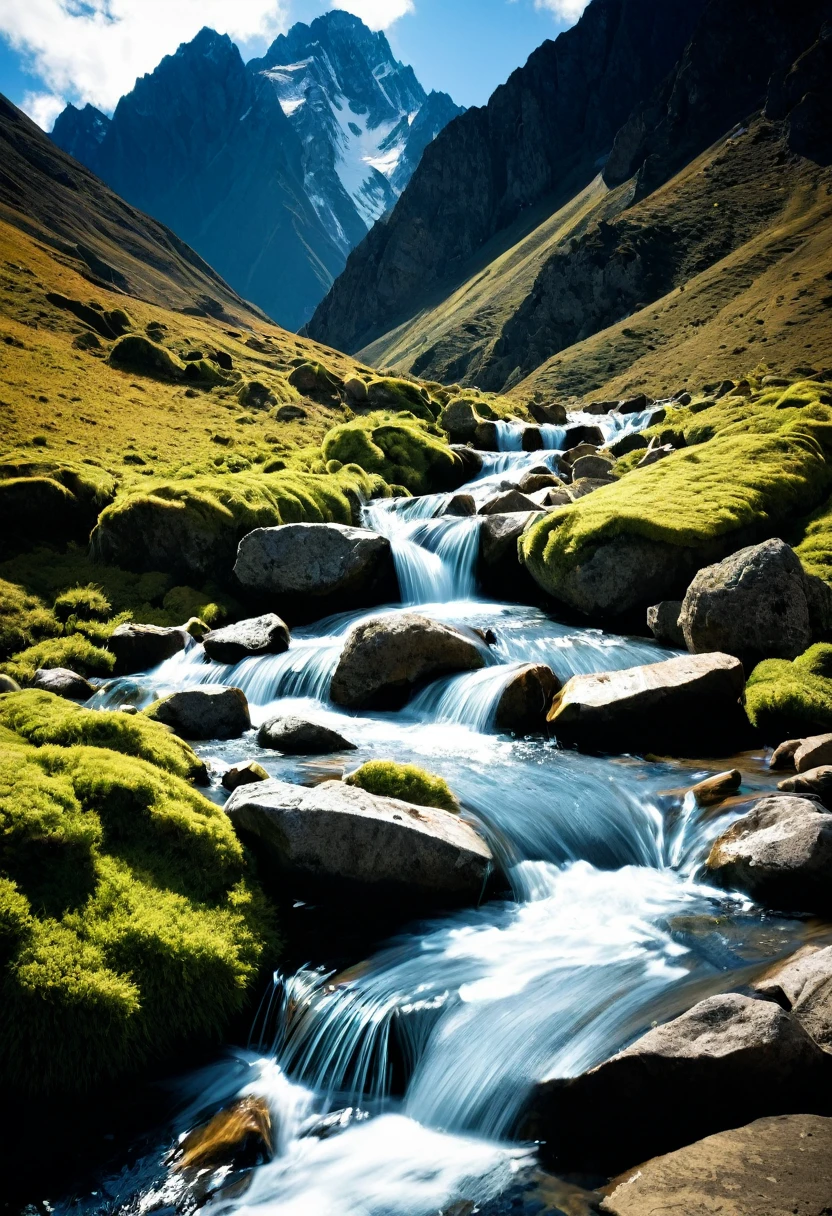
[(395, 1086)]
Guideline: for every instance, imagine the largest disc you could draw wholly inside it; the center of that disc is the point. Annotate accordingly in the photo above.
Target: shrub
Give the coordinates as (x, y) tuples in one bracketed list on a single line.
[(127, 924), (41, 718), (74, 651), (403, 452), (404, 781), (788, 700)]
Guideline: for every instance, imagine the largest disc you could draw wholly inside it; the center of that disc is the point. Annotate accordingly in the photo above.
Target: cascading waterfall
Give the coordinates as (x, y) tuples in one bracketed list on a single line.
[(435, 557)]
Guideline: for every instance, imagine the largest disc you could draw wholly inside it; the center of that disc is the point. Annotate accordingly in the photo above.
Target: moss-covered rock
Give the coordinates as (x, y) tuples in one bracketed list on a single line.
[(204, 372), (403, 452), (461, 417), (791, 700), (74, 651), (86, 603), (389, 393), (41, 718), (135, 353), (127, 924), (314, 380), (642, 538), (404, 781), (193, 527)]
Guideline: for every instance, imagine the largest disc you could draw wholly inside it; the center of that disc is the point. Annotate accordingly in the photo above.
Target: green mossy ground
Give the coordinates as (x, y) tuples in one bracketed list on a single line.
[(789, 700), (400, 448), (404, 781), (751, 467), (127, 922)]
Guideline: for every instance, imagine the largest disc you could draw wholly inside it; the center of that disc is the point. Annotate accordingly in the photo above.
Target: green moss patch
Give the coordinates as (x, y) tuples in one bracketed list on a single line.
[(41, 718), (24, 619), (74, 651), (400, 396), (135, 353), (404, 781), (127, 922), (788, 700), (404, 452)]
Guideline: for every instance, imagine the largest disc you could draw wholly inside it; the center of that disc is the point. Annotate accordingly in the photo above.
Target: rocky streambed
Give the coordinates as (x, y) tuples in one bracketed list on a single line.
[(560, 986)]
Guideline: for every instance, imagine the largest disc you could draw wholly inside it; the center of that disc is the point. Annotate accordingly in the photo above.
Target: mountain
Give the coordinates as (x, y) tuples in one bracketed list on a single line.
[(363, 118), (273, 170), (709, 178)]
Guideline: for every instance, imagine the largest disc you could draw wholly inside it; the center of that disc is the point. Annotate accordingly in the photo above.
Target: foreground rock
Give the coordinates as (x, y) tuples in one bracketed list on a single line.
[(728, 1060), (385, 657), (663, 623), (336, 838), (243, 774), (258, 635), (780, 854), (298, 737), (142, 647), (526, 698), (770, 1167), (716, 789), (64, 683), (309, 570), (802, 985), (754, 604), (210, 711), (683, 703)]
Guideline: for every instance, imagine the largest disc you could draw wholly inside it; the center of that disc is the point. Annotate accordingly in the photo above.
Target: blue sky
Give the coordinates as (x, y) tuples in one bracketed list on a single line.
[(53, 51)]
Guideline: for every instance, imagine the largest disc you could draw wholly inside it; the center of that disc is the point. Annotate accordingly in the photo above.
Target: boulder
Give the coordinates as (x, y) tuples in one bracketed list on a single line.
[(298, 737), (258, 635), (525, 700), (312, 569), (290, 413), (210, 711), (337, 838), (557, 498), (634, 405), (385, 657), (532, 439), (539, 481), (551, 413), (461, 504), (64, 683), (716, 789), (356, 389), (486, 437), (239, 1137), (599, 407), (783, 756), (581, 486), (627, 444), (813, 751), (313, 379), (243, 774), (142, 647), (577, 452), (508, 503), (581, 433), (663, 623), (780, 854), (770, 1167), (817, 781), (752, 604), (592, 466), (7, 684), (460, 419), (681, 703), (498, 569), (802, 985), (728, 1060), (470, 461)]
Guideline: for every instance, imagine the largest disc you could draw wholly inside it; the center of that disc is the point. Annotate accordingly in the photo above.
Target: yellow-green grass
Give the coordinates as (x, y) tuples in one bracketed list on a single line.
[(789, 700), (405, 781), (128, 924)]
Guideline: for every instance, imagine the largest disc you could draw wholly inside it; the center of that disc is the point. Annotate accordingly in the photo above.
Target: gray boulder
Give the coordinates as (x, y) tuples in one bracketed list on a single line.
[(592, 466), (508, 503), (780, 854), (525, 700), (336, 836), (246, 773), (663, 623), (258, 635), (682, 703), (817, 781), (64, 683), (298, 737), (210, 711), (770, 1167), (802, 985), (577, 452), (142, 647), (384, 658), (728, 1060), (308, 570), (539, 481), (752, 604), (498, 566)]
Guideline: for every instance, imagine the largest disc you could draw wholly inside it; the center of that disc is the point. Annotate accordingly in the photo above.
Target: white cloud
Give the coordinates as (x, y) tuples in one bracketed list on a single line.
[(567, 10), (378, 14), (43, 108), (93, 50)]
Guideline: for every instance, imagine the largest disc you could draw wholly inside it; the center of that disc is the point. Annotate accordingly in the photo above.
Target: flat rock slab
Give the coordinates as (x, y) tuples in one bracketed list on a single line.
[(257, 635), (385, 657), (773, 1167), (299, 737), (683, 701), (780, 854), (728, 1060), (336, 835), (142, 647), (210, 711)]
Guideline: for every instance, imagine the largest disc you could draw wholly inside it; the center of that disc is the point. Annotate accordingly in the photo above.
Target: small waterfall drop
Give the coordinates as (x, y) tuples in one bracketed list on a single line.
[(435, 555)]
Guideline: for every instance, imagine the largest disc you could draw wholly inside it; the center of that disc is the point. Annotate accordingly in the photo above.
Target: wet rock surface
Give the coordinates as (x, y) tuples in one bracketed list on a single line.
[(243, 774), (336, 836), (526, 699), (296, 736), (211, 711), (266, 634), (384, 658), (728, 1060), (141, 647)]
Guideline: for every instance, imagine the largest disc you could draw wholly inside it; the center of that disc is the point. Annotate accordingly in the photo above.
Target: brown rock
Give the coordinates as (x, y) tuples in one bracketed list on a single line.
[(240, 1137), (578, 452), (663, 623), (539, 481), (243, 774), (717, 788), (814, 751), (592, 466), (461, 504), (816, 781), (582, 486), (526, 698), (508, 503), (771, 1167), (802, 985), (783, 756)]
